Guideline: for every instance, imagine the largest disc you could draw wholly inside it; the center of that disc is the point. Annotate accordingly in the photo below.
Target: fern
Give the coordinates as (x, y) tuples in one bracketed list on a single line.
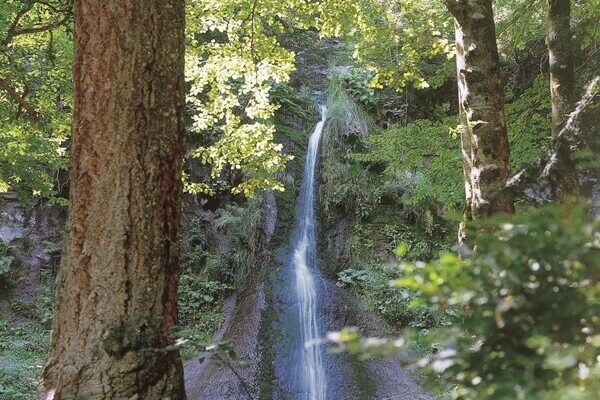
[(422, 161)]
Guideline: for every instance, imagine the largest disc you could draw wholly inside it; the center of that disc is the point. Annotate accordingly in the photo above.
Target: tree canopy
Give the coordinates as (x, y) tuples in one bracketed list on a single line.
[(235, 58)]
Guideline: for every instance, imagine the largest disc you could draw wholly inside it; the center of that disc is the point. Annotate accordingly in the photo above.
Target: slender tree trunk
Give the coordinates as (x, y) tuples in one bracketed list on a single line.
[(117, 283), (562, 89), (484, 140)]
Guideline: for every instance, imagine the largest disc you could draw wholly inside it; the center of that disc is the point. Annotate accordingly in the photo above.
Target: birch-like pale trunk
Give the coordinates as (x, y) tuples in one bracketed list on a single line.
[(562, 90), (484, 140)]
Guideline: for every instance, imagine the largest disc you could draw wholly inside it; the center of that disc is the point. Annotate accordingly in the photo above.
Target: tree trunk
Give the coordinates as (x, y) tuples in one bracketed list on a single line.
[(117, 283), (562, 89), (484, 141)]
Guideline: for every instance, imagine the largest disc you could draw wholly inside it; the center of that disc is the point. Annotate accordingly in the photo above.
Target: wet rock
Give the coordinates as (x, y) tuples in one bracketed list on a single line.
[(218, 378), (28, 231), (334, 246), (269, 220), (378, 378)]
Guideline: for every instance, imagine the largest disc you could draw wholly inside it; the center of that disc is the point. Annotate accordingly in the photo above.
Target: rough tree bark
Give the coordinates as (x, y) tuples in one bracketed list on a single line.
[(484, 140), (117, 283), (562, 89)]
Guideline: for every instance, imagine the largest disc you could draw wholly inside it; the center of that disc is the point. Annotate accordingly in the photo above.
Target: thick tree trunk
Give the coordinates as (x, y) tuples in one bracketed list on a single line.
[(117, 283), (484, 141), (562, 89)]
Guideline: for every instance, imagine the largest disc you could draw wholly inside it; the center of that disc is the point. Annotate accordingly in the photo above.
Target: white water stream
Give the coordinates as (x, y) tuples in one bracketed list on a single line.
[(304, 266)]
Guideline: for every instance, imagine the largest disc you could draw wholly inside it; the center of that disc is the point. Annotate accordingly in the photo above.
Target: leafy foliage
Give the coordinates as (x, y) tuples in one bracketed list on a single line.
[(378, 239), (236, 59), (528, 123), (227, 263), (345, 115), (372, 285), (529, 296), (35, 94), (242, 225), (197, 295), (519, 23), (237, 70), (233, 62), (199, 302), (29, 162), (392, 38), (211, 271), (422, 159), (345, 186)]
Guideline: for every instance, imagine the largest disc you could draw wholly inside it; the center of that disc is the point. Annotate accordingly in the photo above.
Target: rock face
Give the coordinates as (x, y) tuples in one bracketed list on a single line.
[(219, 378), (261, 333), (334, 246), (30, 234), (268, 331), (378, 378), (269, 215), (347, 378)]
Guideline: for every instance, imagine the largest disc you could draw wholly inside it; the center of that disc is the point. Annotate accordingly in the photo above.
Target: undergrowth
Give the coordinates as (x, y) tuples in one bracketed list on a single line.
[(23, 351), (528, 301), (216, 259), (395, 193), (24, 344)]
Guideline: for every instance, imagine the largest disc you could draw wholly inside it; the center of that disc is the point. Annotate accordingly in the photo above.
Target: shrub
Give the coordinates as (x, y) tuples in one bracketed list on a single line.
[(372, 284), (197, 295), (530, 296), (426, 170)]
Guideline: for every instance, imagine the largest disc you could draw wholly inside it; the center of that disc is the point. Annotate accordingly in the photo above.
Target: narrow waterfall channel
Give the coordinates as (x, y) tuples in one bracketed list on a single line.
[(311, 362), (299, 362), (305, 305)]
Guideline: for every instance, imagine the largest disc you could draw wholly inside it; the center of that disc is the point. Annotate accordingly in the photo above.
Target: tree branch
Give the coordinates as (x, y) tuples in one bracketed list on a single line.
[(251, 17), (41, 28), (13, 25), (522, 11), (542, 170), (14, 30), (20, 100)]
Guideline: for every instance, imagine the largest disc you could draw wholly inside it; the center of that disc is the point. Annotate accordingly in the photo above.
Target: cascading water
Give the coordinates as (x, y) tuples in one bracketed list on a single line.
[(305, 305), (311, 362), (301, 305)]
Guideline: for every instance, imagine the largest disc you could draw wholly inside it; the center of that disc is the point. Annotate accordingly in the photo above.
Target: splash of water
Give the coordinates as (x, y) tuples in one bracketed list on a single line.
[(305, 273)]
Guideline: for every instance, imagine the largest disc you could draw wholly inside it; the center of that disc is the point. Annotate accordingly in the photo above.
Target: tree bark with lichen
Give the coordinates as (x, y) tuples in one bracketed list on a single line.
[(117, 283), (562, 90), (483, 134)]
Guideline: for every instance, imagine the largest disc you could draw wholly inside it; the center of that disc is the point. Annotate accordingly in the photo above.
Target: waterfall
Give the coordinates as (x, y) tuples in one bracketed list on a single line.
[(304, 262), (305, 304), (279, 326)]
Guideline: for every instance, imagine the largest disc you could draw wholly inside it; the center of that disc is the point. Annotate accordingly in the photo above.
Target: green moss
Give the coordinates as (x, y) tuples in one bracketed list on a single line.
[(131, 333), (266, 372), (23, 351), (201, 331), (361, 377), (286, 206)]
